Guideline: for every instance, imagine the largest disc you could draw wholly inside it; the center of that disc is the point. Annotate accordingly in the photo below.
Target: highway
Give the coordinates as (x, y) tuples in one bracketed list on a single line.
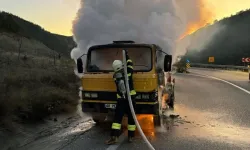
[(213, 115), (237, 77)]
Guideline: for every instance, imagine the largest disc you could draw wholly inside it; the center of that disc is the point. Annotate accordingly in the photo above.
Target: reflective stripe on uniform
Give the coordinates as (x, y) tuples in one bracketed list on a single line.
[(132, 92), (118, 96), (116, 126), (130, 67), (129, 60), (129, 74), (131, 127)]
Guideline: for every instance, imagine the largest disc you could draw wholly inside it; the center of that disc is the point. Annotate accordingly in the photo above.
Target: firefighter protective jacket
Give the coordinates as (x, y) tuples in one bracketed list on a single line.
[(130, 78)]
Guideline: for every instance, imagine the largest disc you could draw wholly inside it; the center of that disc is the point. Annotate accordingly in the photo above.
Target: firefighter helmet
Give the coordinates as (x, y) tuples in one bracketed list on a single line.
[(117, 65)]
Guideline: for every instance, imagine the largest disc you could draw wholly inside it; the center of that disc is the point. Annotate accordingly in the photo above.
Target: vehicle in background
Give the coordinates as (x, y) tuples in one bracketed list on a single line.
[(180, 67)]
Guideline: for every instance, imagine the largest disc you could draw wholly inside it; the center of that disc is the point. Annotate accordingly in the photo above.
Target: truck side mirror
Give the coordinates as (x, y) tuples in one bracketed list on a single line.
[(167, 63), (79, 65)]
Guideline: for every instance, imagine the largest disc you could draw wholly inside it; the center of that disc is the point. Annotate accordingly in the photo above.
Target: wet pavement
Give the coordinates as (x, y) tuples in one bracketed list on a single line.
[(237, 77), (213, 115)]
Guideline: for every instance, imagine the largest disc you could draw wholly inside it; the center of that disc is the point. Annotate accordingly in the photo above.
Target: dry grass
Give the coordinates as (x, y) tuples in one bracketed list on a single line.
[(34, 87)]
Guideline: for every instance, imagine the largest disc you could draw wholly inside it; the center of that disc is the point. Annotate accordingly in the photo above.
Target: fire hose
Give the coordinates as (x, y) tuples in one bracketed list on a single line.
[(131, 105)]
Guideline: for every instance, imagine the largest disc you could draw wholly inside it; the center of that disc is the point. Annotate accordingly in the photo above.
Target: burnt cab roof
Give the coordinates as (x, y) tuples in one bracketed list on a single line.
[(122, 44)]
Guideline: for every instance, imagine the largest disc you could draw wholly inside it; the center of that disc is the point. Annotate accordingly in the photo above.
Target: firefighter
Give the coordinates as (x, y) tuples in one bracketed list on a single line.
[(122, 105)]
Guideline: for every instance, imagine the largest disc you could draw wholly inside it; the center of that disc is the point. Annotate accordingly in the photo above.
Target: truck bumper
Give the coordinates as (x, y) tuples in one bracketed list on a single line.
[(99, 107)]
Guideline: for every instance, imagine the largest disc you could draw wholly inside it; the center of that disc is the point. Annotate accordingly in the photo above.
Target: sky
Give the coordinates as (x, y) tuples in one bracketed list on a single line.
[(211, 10), (53, 15), (225, 8), (57, 15)]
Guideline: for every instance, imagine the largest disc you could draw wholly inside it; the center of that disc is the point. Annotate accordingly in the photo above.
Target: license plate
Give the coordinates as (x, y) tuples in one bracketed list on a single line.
[(112, 106)]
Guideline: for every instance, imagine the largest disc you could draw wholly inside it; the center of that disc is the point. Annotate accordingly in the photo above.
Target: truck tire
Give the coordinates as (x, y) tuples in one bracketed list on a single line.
[(96, 120), (157, 120), (156, 115), (171, 104), (158, 109)]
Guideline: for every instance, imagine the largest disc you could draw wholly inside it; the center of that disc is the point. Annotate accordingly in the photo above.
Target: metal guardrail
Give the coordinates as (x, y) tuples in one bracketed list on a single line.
[(224, 67)]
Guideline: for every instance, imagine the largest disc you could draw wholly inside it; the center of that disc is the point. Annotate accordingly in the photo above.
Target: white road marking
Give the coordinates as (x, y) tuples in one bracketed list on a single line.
[(206, 76), (120, 140)]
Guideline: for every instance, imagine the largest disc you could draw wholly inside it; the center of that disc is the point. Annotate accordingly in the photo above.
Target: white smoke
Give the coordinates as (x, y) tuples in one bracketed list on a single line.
[(194, 12), (160, 22), (146, 21)]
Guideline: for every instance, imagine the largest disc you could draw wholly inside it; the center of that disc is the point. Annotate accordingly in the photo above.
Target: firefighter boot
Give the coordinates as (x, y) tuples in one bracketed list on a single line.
[(112, 140)]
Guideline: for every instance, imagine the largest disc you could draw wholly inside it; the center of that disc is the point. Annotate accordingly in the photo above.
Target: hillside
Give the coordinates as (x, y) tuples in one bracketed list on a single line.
[(13, 24), (229, 43), (36, 72)]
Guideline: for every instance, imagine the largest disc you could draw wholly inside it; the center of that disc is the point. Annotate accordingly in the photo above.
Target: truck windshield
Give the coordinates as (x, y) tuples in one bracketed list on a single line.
[(101, 59)]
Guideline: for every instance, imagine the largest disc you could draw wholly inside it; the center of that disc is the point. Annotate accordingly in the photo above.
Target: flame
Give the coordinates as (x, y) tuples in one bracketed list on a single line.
[(206, 17), (146, 122)]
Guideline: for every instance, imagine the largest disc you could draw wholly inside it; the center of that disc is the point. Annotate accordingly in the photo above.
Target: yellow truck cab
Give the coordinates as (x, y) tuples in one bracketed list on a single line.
[(98, 86)]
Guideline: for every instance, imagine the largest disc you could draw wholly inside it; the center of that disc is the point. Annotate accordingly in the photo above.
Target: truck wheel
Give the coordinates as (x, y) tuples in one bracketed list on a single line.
[(158, 109), (157, 115), (171, 104), (157, 120), (96, 120)]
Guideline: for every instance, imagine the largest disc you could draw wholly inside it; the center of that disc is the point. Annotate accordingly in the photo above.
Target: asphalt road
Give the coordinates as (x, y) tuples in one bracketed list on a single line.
[(213, 115), (237, 77)]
